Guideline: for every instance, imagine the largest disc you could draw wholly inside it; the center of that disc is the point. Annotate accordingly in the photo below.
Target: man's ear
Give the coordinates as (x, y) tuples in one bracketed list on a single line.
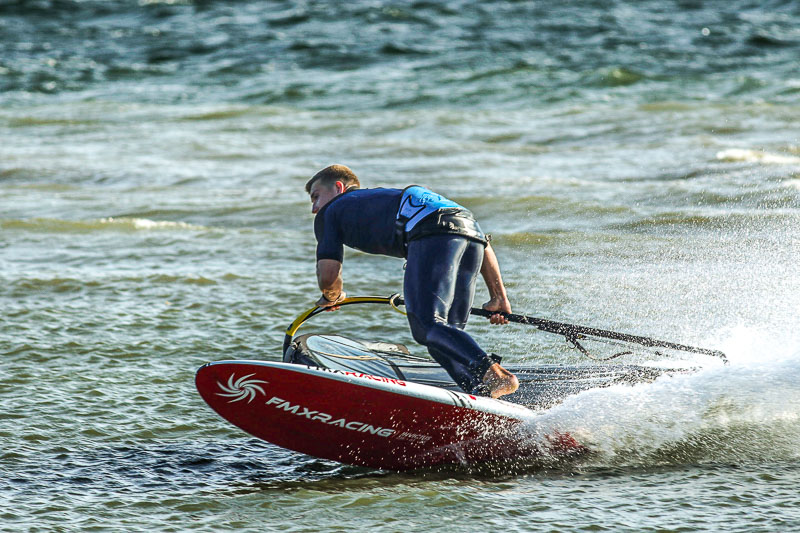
[(339, 187)]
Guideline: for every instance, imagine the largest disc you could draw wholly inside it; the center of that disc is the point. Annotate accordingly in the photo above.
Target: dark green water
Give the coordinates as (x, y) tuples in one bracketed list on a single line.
[(637, 163)]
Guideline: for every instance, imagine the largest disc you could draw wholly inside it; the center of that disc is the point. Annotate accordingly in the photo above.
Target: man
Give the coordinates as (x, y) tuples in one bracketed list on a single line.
[(445, 249)]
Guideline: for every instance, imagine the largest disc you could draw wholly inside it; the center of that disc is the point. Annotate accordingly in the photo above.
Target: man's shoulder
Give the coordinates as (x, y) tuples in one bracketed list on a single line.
[(375, 191), (344, 202), (377, 194)]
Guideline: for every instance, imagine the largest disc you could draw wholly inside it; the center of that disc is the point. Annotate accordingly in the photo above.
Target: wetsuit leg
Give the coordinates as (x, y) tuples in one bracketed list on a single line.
[(464, 294), (440, 282)]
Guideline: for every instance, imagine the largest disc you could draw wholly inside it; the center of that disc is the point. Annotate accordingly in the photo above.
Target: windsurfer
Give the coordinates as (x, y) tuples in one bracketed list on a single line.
[(445, 249)]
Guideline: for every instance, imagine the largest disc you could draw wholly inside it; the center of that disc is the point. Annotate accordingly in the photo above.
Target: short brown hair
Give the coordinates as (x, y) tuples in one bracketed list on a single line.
[(330, 175)]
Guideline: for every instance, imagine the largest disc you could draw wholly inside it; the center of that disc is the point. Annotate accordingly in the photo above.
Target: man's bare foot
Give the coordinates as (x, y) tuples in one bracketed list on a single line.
[(500, 381)]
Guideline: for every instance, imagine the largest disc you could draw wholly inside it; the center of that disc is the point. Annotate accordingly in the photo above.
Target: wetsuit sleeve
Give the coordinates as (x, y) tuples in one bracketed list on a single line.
[(329, 240)]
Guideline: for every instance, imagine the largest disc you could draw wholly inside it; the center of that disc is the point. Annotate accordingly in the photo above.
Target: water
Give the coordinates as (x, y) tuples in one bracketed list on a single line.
[(637, 163)]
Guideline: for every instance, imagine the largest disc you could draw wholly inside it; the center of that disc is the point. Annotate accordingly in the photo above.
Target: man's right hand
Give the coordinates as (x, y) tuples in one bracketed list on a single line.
[(501, 305)]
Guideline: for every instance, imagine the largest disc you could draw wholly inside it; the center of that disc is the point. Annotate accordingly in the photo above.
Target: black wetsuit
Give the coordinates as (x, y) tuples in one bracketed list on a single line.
[(444, 248)]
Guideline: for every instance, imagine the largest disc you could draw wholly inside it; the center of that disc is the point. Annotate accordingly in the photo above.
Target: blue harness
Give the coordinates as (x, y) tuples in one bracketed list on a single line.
[(417, 203), (423, 212)]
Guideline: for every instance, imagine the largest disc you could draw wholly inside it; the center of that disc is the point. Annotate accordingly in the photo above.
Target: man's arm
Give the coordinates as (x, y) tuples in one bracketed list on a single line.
[(490, 270), (329, 279)]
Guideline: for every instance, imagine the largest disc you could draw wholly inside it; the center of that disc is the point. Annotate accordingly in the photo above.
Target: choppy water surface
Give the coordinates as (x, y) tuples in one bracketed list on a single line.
[(637, 163)]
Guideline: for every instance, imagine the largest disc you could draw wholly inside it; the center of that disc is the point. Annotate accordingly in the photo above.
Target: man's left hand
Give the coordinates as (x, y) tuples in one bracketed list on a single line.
[(331, 305)]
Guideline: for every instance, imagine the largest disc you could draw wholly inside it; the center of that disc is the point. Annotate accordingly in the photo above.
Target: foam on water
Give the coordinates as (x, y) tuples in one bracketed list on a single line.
[(757, 156), (50, 225), (744, 412)]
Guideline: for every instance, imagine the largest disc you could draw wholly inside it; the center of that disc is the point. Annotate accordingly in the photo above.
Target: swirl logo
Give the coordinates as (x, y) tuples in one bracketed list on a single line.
[(241, 388)]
